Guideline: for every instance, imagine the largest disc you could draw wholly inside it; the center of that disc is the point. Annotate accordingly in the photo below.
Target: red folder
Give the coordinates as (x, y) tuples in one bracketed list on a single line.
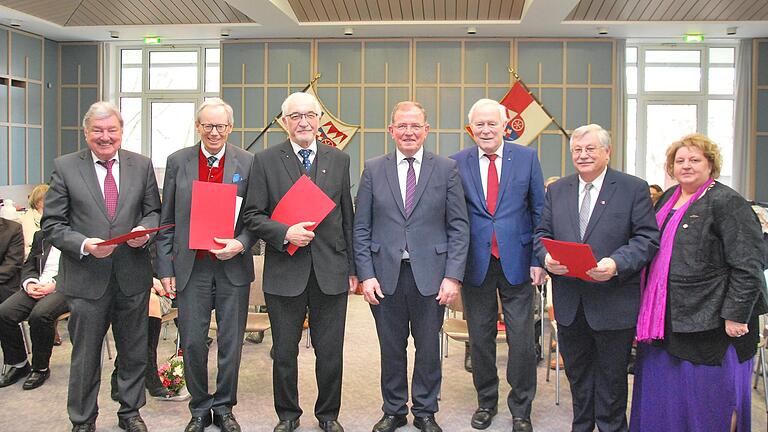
[(131, 235), (212, 214), (304, 202), (577, 257)]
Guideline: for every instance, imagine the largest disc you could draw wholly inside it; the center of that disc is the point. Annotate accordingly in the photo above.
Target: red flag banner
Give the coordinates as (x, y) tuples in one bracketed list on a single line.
[(332, 131), (526, 117)]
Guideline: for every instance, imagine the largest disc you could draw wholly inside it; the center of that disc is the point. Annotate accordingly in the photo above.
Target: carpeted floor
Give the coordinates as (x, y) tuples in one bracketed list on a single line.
[(44, 409)]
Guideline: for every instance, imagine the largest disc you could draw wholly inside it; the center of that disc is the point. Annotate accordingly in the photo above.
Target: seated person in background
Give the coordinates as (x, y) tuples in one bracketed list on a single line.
[(30, 221), (39, 303), (656, 191), (11, 260)]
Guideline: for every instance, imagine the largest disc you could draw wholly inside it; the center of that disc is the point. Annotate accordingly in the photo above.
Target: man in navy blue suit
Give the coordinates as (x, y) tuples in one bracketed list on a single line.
[(504, 191), (612, 212)]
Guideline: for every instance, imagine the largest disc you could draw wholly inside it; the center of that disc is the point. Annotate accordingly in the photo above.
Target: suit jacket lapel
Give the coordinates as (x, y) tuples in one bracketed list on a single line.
[(289, 161), (394, 185), (126, 177), (230, 165), (606, 192), (474, 173), (88, 173), (321, 164), (507, 163), (427, 165)]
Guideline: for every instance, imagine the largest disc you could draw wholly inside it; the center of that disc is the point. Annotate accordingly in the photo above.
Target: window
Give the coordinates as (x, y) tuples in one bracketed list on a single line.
[(159, 91), (673, 91)]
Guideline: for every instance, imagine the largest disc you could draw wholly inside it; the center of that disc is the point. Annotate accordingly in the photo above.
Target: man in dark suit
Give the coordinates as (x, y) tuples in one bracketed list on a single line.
[(40, 303), (611, 212), (504, 190), (317, 277), (97, 194), (411, 239), (11, 261), (207, 280)]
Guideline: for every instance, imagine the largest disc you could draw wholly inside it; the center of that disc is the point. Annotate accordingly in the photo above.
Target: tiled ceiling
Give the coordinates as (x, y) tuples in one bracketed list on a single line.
[(129, 12), (670, 10), (407, 10)]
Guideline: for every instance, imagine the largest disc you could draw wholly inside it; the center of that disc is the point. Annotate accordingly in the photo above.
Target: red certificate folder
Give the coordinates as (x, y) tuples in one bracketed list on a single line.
[(212, 213), (304, 202), (577, 257), (131, 235)]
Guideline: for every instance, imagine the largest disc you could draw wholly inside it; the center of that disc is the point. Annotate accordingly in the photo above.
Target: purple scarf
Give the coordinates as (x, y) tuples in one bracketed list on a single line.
[(653, 300)]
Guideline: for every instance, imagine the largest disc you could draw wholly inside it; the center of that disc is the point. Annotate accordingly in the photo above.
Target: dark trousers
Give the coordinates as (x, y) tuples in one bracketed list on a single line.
[(408, 312), (208, 289), (481, 311), (152, 380), (42, 315), (88, 324), (327, 315), (596, 366)]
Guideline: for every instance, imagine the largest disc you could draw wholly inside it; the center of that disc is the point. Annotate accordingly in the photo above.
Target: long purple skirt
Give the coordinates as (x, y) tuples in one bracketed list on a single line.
[(674, 395)]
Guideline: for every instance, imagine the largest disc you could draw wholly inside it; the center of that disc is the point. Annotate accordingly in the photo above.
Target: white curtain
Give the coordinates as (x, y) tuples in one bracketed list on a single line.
[(742, 153), (620, 100)]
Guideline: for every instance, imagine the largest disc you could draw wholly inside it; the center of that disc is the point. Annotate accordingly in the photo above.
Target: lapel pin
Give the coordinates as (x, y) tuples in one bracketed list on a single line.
[(323, 171), (685, 226), (602, 202)]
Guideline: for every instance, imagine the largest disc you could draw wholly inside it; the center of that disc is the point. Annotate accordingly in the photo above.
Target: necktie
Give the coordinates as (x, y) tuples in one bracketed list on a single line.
[(211, 161), (586, 203), (304, 153), (491, 196), (410, 186), (110, 188)]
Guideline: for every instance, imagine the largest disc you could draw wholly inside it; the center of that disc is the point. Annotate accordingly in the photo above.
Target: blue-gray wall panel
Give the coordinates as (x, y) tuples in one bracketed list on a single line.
[(392, 57), (551, 155), (25, 48), (450, 108), (576, 108), (494, 55), (552, 99), (395, 95), (18, 155), (88, 96), (601, 107), (3, 51), (34, 156), (349, 110), (69, 141), (18, 104), (254, 108), (3, 103), (762, 111), (345, 55), (34, 110), (430, 54), (597, 54), (353, 150), (374, 144), (3, 155), (449, 143), (295, 54), (235, 55), (328, 97), (275, 98), (86, 56), (375, 109), (234, 97), (50, 102), (69, 107), (430, 143), (762, 63), (427, 96), (471, 95), (761, 175), (548, 54)]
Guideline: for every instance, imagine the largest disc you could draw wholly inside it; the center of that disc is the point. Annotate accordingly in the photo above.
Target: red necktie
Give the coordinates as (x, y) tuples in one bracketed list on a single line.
[(490, 199), (110, 188)]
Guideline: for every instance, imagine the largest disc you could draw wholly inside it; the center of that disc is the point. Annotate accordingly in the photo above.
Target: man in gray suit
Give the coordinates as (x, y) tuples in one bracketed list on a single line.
[(411, 239), (206, 280), (317, 277), (97, 194)]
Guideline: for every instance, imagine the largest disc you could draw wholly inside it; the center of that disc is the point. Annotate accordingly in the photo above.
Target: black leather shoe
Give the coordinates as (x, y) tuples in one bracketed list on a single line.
[(226, 422), (521, 425), (286, 426), (483, 417), (85, 427), (198, 424), (14, 374), (427, 424), (389, 423), (331, 426), (133, 424), (36, 379)]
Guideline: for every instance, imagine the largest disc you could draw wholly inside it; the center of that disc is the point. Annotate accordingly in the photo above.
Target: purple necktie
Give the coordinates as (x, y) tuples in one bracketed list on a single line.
[(110, 188), (410, 186)]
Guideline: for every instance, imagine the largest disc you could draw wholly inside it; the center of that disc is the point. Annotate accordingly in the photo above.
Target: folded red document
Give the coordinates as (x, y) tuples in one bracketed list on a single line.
[(577, 257), (131, 235), (304, 202), (212, 214)]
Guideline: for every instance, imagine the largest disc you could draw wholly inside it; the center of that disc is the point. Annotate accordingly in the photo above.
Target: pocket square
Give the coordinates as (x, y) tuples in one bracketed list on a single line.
[(236, 178)]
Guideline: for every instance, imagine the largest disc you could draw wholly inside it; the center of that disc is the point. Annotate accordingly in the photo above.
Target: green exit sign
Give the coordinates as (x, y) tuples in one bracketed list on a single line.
[(154, 40)]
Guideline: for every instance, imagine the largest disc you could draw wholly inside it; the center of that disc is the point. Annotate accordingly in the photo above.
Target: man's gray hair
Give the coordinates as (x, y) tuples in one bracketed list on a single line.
[(299, 97), (99, 111), (489, 102), (216, 102), (602, 135)]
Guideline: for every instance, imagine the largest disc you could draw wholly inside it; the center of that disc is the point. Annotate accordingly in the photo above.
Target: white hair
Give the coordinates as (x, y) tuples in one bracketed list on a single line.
[(602, 135), (101, 110), (299, 97), (216, 102), (489, 102)]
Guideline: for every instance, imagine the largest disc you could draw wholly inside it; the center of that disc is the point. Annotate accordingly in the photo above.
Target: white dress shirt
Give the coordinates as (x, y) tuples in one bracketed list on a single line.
[(218, 155), (101, 171), (402, 169), (49, 271), (485, 163), (597, 184), (312, 152)]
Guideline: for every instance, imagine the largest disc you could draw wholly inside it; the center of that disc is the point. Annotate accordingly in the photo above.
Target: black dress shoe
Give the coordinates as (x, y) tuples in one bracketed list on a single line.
[(427, 424), (133, 424), (14, 374), (521, 425), (36, 379), (483, 417), (286, 426), (198, 424), (389, 423), (85, 427), (331, 426), (226, 422)]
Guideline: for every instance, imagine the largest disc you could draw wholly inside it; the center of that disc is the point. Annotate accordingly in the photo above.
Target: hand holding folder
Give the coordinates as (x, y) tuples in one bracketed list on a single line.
[(131, 235), (577, 257), (303, 202)]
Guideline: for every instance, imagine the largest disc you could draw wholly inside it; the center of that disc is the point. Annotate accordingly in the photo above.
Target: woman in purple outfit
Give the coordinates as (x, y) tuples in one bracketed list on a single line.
[(703, 293)]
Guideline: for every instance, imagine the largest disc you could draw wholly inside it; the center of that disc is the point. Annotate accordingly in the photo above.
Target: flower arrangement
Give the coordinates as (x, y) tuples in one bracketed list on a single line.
[(172, 375)]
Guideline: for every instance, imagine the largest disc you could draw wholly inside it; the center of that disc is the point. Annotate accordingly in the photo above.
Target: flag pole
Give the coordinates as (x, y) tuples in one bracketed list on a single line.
[(277, 116), (518, 79)]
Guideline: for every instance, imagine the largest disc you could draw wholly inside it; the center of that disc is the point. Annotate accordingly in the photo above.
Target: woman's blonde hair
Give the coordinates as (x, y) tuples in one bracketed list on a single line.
[(37, 195), (700, 141)]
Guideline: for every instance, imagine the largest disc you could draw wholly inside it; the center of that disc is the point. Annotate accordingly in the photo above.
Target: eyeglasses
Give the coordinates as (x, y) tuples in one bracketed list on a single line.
[(311, 115), (402, 127), (220, 128), (588, 150)]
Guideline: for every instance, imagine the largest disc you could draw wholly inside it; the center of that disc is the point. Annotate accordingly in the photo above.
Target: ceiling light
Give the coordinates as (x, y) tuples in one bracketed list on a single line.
[(114, 35), (730, 31), (224, 33), (602, 31), (471, 30), (349, 31), (15, 23)]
